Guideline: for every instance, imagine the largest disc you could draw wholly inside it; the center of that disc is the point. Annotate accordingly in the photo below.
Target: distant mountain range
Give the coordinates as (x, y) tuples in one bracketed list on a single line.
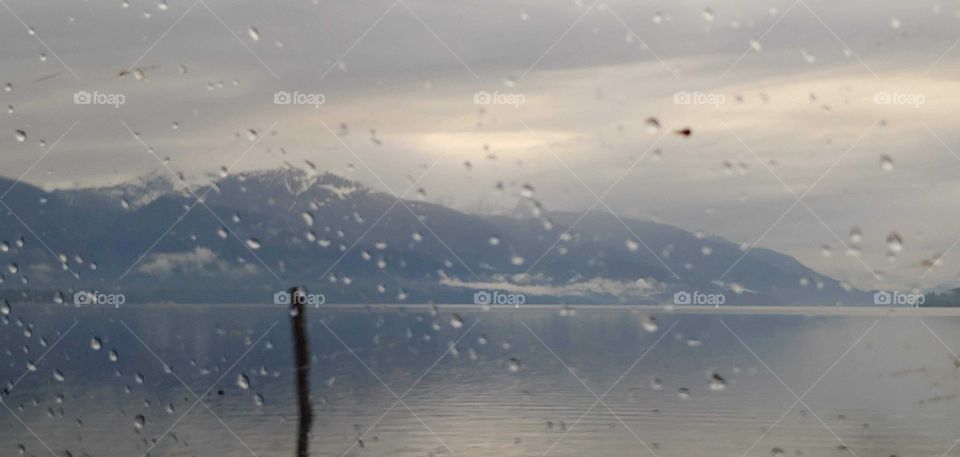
[(257, 233)]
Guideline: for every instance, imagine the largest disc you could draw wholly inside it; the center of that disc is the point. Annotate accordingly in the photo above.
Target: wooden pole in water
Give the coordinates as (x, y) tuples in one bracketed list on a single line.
[(301, 349)]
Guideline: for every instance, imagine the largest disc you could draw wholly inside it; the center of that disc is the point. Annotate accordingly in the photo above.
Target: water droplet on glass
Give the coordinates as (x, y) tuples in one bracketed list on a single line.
[(632, 245), (856, 236), (514, 365), (894, 243), (20, 135), (708, 15), (254, 33), (717, 382), (96, 343), (656, 384), (222, 232), (254, 244), (527, 191), (456, 321), (139, 422), (826, 251), (243, 381), (113, 356), (650, 324), (653, 125), (886, 163), (307, 218)]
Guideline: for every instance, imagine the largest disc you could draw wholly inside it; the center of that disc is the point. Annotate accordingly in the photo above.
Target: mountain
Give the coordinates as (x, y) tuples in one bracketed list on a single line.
[(257, 233)]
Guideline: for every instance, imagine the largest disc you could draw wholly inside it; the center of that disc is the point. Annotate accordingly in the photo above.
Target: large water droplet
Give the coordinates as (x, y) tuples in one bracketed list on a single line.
[(856, 236), (254, 33), (243, 381), (708, 15), (96, 343), (886, 163), (20, 135), (254, 244), (650, 324), (653, 125), (717, 382), (894, 243)]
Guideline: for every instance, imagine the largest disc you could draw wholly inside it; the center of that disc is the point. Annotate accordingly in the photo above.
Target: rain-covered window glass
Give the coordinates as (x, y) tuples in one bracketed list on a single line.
[(479, 228)]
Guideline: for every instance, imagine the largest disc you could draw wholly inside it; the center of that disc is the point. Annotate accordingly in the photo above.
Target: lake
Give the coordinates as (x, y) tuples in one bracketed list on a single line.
[(535, 381)]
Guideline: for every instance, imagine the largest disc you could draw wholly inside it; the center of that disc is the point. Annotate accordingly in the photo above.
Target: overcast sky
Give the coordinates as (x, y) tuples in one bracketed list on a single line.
[(785, 105)]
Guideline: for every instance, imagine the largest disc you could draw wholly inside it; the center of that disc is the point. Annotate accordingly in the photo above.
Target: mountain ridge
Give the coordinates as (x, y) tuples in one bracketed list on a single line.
[(259, 232)]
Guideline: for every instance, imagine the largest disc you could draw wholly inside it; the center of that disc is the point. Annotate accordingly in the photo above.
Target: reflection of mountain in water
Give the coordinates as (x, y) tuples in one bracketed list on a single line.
[(356, 244)]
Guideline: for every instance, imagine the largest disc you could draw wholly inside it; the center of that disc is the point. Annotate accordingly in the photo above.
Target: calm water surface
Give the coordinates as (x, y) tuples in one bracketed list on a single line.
[(505, 382)]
